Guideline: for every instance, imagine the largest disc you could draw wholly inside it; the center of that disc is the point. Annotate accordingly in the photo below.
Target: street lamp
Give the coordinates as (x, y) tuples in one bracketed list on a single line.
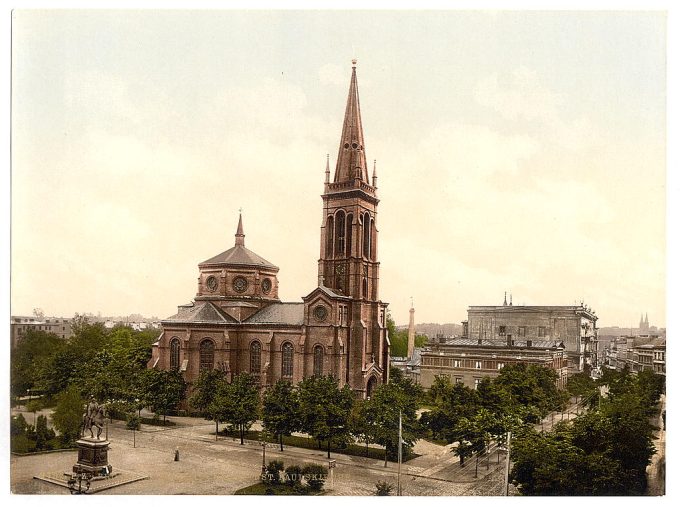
[(134, 429), (264, 447)]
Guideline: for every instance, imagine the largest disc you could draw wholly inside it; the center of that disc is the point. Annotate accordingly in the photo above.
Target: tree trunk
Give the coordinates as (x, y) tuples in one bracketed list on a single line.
[(385, 456), (367, 448), (240, 429), (164, 419), (281, 441), (217, 429), (329, 448)]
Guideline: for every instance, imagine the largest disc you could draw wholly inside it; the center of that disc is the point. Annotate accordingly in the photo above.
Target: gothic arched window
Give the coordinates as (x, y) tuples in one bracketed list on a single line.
[(207, 355), (340, 232), (287, 360), (318, 361), (350, 219), (329, 237), (255, 357), (174, 354), (367, 235)]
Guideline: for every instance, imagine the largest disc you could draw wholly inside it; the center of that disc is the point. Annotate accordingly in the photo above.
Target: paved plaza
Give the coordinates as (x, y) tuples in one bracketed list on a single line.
[(221, 467)]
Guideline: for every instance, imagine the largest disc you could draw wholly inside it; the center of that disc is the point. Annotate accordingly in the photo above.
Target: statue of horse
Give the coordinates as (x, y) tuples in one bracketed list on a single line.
[(97, 421), (93, 418)]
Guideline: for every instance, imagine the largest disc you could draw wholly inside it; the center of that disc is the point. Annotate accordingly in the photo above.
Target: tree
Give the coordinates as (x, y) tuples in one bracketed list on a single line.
[(470, 438), (31, 360), (208, 397), (68, 414), (162, 390), (530, 384), (455, 402), (281, 410), (242, 403), (383, 408), (362, 423), (325, 409)]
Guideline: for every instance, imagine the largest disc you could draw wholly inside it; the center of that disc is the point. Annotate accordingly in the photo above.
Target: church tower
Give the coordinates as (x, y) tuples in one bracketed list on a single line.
[(348, 263)]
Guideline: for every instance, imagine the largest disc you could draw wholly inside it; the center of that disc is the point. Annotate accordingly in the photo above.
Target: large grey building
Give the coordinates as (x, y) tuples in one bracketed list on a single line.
[(574, 326)]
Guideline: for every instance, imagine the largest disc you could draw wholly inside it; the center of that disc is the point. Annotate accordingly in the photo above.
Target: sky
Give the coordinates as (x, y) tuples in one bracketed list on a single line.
[(516, 151)]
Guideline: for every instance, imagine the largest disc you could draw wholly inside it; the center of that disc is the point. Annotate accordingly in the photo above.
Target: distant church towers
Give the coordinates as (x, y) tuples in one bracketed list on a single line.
[(644, 324)]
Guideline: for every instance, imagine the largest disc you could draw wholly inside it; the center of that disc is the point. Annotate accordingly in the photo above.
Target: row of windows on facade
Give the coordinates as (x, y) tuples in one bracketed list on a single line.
[(21, 329), (207, 357), (522, 331), (461, 363), (339, 228)]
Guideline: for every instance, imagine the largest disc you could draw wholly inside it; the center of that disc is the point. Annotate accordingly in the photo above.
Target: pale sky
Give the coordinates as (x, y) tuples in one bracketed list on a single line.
[(516, 151)]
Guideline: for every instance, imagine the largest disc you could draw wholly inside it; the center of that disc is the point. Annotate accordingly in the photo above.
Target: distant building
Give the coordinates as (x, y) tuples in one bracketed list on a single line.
[(410, 366), (468, 361), (19, 325), (574, 326), (639, 353)]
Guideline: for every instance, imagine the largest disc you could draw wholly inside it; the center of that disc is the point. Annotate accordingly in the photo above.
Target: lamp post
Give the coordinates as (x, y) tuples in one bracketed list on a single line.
[(264, 447), (134, 428)]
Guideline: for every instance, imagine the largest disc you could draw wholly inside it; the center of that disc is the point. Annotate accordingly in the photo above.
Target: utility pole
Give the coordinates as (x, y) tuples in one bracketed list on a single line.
[(399, 463), (507, 465)]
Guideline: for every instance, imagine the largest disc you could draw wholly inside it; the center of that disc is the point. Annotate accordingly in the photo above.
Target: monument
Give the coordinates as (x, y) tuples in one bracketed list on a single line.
[(93, 457)]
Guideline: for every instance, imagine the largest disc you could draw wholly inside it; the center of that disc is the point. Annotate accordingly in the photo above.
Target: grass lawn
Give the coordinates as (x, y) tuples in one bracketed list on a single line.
[(275, 489), (309, 443)]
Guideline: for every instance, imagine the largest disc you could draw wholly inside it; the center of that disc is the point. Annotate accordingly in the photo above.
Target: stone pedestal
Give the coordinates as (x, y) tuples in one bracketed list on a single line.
[(93, 457)]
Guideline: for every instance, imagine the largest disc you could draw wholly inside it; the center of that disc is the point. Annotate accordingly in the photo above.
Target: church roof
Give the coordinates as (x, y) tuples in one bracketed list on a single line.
[(352, 151), (279, 313), (201, 312), (239, 254)]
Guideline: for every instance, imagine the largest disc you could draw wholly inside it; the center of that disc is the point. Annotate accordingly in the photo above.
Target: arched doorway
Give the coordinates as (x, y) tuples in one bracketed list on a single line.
[(370, 386)]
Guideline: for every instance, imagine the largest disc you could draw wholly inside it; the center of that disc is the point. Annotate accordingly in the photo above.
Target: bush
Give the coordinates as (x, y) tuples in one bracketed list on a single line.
[(315, 475), (132, 422), (273, 472), (293, 475), (68, 414), (383, 488)]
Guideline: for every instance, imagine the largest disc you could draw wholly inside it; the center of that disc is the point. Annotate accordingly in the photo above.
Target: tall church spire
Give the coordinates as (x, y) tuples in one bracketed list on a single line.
[(351, 162), (240, 237)]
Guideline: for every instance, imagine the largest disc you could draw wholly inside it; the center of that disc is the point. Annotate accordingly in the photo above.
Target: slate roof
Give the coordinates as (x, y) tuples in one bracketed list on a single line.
[(239, 255), (201, 312), (535, 344), (279, 313)]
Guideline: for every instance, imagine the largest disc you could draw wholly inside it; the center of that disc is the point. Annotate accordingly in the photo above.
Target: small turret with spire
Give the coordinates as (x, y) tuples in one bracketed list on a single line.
[(375, 176), (240, 237)]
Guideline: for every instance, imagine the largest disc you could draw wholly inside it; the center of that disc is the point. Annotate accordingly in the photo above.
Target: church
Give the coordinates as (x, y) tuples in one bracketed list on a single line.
[(237, 324)]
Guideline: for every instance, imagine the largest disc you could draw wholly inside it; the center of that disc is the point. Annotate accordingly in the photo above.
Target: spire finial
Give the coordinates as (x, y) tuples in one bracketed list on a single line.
[(511, 299), (354, 63), (328, 170), (239, 231), (505, 298)]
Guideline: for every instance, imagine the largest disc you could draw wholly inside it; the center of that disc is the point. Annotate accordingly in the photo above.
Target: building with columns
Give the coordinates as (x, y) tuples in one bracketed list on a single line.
[(236, 322)]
